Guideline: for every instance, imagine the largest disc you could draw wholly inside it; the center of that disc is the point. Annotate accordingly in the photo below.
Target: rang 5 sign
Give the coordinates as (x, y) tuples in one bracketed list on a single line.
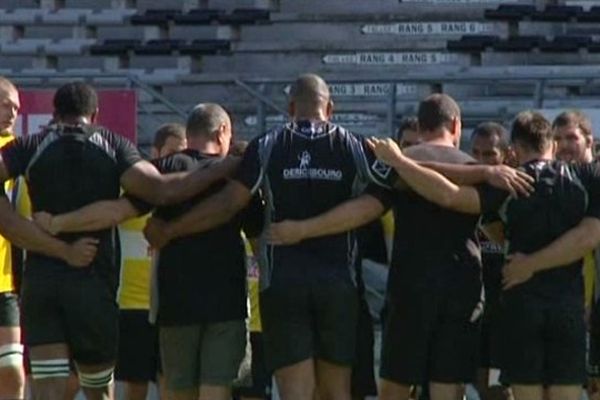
[(117, 111)]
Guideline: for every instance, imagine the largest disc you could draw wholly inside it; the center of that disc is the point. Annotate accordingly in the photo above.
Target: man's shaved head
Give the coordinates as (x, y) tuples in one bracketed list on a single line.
[(309, 94), (205, 119), (6, 85)]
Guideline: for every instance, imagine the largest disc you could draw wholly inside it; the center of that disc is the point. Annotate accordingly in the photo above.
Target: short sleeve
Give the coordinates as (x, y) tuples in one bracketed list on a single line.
[(250, 172), (383, 195), (253, 217), (491, 199), (17, 154), (370, 168), (126, 153)]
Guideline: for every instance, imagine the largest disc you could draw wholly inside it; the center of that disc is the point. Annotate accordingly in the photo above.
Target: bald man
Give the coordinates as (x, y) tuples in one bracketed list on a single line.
[(309, 301)]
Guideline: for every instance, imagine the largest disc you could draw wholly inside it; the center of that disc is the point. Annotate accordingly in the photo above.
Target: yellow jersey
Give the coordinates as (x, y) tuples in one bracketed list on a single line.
[(589, 277), (254, 324), (17, 194), (136, 265)]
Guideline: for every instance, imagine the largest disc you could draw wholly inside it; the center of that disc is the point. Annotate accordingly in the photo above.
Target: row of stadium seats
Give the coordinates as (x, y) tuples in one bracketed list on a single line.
[(23, 16), (519, 12), (559, 44)]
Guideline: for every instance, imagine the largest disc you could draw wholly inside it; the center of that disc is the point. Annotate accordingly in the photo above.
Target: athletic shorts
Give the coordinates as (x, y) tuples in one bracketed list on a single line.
[(202, 354), (543, 342), (78, 309), (309, 321), (138, 359), (363, 371), (490, 337), (261, 379), (9, 310), (593, 366), (429, 336)]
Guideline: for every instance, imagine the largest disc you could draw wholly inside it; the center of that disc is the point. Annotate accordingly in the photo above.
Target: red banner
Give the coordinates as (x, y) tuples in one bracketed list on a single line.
[(118, 111)]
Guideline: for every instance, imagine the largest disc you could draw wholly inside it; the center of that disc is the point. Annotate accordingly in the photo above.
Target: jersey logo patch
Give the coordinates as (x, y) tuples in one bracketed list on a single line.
[(304, 159), (381, 169)]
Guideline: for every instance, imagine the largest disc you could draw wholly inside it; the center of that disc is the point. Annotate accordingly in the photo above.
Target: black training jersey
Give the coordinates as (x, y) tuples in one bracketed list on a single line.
[(202, 277), (66, 168), (564, 194), (434, 247), (304, 169), (492, 259)]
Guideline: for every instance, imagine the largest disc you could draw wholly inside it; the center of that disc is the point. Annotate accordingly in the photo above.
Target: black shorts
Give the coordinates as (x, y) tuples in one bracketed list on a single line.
[(363, 371), (77, 308), (593, 366), (490, 336), (543, 342), (138, 357), (9, 310), (429, 336), (261, 379), (309, 321)]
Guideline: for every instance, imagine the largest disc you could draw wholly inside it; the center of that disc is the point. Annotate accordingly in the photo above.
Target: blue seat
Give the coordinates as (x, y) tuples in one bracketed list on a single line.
[(114, 46), (472, 43), (557, 13), (566, 44), (206, 47), (510, 12), (241, 16), (154, 17), (519, 43), (199, 17), (158, 46)]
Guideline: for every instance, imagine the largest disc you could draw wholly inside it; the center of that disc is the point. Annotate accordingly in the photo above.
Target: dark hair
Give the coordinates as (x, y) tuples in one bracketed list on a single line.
[(574, 117), (531, 130), (75, 99), (408, 124), (164, 132), (436, 111), (489, 129)]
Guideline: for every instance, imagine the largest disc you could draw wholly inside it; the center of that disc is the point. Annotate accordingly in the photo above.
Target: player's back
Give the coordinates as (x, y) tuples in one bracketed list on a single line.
[(430, 241)]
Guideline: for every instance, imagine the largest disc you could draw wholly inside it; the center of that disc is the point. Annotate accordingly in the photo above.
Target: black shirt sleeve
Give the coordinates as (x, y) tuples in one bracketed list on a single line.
[(370, 168), (589, 174), (18, 153), (385, 196), (253, 217), (491, 198), (125, 152), (250, 173)]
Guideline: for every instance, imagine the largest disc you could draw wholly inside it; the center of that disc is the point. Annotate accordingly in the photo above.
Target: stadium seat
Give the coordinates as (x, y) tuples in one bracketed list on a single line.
[(73, 16), (68, 46), (21, 16), (24, 47), (557, 13), (518, 43), (158, 46), (593, 15), (510, 12), (114, 46), (109, 16), (154, 17), (199, 16), (206, 47), (472, 43), (564, 44), (241, 16)]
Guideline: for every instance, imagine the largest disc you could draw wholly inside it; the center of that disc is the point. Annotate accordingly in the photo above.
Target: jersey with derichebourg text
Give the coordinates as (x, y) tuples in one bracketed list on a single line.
[(433, 247), (66, 168), (305, 168), (564, 194)]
